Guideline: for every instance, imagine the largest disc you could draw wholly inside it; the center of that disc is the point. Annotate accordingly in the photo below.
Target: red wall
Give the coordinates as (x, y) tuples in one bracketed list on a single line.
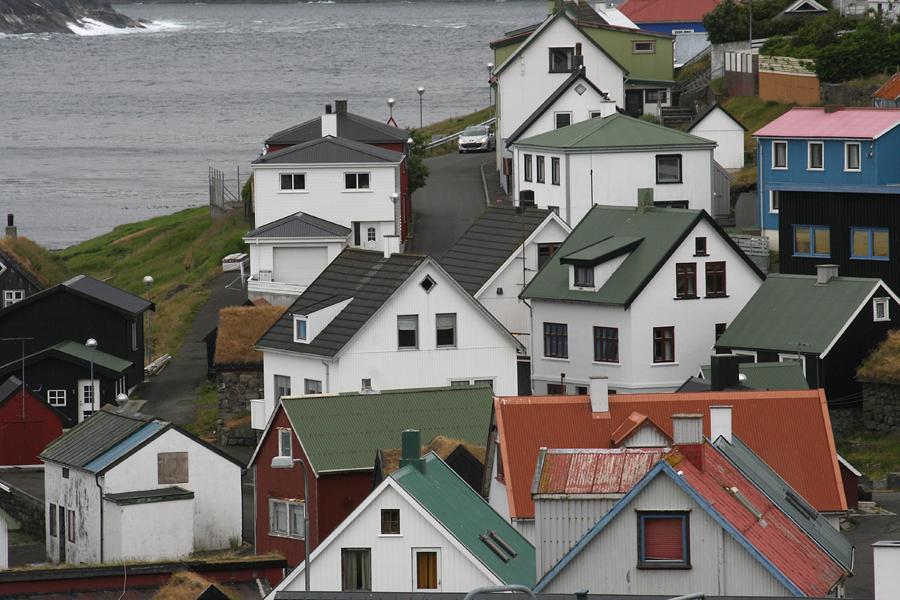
[(24, 438)]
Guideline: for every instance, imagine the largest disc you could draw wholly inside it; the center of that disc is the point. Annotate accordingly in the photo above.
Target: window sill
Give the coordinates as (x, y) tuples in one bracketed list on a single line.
[(407, 348), (881, 320), (715, 296), (601, 363), (285, 536), (293, 191), (665, 364), (445, 347), (665, 567), (668, 182), (881, 258), (704, 254), (686, 298), (390, 535), (811, 255), (358, 191), (556, 358)]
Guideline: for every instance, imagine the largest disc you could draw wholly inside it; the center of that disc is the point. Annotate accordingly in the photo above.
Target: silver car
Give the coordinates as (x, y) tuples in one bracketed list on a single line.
[(477, 138)]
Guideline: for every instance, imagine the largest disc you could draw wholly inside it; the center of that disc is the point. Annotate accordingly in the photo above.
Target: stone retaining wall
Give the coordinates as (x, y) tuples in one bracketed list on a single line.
[(846, 421), (236, 389), (846, 95), (881, 407), (27, 510)]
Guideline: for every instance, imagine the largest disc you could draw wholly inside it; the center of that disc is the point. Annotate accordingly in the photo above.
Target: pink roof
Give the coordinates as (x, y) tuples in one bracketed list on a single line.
[(594, 471), (774, 535), (812, 122), (667, 11)]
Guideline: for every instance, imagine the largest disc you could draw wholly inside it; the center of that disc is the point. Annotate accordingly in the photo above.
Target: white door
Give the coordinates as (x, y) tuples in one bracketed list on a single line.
[(298, 265), (88, 398)]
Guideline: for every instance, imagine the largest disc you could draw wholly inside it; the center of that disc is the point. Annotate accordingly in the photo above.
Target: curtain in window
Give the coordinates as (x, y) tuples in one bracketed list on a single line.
[(279, 517), (357, 569), (297, 511), (426, 570), (663, 538)]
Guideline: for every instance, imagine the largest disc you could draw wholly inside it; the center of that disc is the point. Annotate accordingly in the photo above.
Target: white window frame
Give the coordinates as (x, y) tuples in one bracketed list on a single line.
[(637, 47), (12, 296), (56, 397), (301, 329), (70, 525), (774, 202), (809, 156), (745, 353), (356, 186), (792, 357), (313, 384), (527, 173), (286, 442), (886, 304), (847, 167), (414, 319), (294, 513), (775, 165), (556, 117), (292, 189), (453, 328)]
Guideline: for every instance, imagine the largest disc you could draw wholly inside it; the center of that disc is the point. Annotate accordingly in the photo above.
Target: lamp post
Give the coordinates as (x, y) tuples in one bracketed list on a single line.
[(391, 103), (286, 462), (91, 344), (421, 91), (148, 281), (490, 68)]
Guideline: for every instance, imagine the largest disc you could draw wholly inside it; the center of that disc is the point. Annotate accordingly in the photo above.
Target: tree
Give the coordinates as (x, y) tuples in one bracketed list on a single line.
[(416, 169), (727, 22)]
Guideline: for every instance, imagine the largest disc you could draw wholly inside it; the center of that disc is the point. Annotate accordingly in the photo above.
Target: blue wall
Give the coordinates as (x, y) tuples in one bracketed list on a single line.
[(697, 26)]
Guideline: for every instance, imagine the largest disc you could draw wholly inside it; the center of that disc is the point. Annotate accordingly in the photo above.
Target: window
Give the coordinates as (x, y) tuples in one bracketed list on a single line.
[(356, 181), (70, 525), (426, 569), (171, 467), (470, 382), (584, 276), (871, 244), (299, 329), (643, 47), (562, 119), (356, 569), (657, 96), (56, 397), (720, 329), (65, 472), (663, 344), (663, 540), (390, 521), (427, 283), (285, 437), (12, 296), (774, 201), (561, 59), (880, 309), (526, 168), (446, 330), (851, 157), (555, 389), (794, 358), (581, 390), (686, 280), (312, 386), (668, 168), (606, 344), (286, 518), (554, 170), (293, 181), (408, 331), (556, 340), (134, 341), (282, 386), (779, 155), (816, 156), (51, 521), (812, 241), (545, 252), (370, 234), (715, 279), (700, 246), (540, 169)]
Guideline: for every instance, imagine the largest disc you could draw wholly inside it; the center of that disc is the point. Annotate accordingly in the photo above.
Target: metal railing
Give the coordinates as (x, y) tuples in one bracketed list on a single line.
[(451, 137)]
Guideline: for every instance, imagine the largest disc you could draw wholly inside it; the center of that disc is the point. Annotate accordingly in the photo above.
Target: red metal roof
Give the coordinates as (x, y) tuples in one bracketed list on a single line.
[(789, 430), (890, 90), (774, 534), (667, 11), (814, 122), (595, 471)]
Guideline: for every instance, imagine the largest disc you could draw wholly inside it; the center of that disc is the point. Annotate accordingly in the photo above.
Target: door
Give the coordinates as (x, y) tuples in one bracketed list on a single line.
[(88, 398), (62, 534), (426, 569), (298, 266), (634, 102)]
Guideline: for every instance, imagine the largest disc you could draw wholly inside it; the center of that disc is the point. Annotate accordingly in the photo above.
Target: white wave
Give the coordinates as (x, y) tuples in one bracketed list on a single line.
[(92, 27)]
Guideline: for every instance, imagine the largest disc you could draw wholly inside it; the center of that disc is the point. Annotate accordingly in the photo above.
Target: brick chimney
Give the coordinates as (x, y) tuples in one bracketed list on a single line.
[(411, 450)]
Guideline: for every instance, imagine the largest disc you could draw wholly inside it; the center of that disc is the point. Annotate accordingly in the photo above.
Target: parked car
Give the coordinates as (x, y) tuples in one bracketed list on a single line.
[(477, 138)]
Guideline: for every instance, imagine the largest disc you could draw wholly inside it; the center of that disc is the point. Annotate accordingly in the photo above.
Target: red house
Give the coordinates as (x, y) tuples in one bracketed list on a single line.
[(28, 424)]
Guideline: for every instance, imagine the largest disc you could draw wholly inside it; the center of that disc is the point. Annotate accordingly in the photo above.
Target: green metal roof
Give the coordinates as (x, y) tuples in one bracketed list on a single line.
[(603, 250), (662, 230), (789, 310), (769, 376), (343, 432), (613, 132), (467, 516)]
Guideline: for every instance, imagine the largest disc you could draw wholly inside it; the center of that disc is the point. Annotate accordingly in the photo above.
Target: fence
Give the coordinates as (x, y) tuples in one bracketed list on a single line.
[(756, 247), (219, 195)]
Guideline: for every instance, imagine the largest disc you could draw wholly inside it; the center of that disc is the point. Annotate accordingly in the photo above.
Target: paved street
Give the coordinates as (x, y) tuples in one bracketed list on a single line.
[(868, 530)]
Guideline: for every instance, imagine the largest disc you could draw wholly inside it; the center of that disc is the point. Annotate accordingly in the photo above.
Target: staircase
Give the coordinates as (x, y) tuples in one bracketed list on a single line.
[(675, 116)]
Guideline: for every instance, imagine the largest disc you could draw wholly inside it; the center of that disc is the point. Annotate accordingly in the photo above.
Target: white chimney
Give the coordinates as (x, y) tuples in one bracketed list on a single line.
[(391, 245), (599, 394), (720, 423), (824, 273), (607, 107), (687, 429), (886, 558), (329, 124)]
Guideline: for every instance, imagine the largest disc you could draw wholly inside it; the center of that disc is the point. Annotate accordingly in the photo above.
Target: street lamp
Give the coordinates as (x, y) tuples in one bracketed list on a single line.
[(421, 91), (91, 344), (490, 68), (286, 462), (391, 103), (148, 281)]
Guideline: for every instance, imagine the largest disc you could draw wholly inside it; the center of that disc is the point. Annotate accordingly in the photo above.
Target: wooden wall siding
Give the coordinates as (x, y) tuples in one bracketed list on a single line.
[(654, 66), (720, 567), (23, 439), (559, 524), (12, 279)]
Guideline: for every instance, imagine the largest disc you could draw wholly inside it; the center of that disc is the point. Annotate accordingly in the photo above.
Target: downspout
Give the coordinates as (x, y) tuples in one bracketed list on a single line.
[(97, 481), (759, 188), (327, 389)]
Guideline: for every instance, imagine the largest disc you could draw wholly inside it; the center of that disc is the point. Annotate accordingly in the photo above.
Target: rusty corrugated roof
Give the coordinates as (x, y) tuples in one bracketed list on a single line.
[(789, 430), (594, 470), (890, 90)]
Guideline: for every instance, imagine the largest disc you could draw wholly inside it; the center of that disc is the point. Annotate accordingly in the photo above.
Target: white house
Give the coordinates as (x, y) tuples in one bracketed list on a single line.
[(123, 485), (423, 529), (488, 260), (717, 124), (288, 254), (638, 295), (376, 320), (614, 160)]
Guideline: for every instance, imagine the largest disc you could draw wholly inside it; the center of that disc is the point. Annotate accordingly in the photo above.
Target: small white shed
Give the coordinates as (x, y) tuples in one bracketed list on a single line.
[(717, 124)]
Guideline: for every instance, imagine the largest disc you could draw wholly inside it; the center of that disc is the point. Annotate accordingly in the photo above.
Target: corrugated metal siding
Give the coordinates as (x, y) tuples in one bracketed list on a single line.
[(561, 523), (503, 52), (124, 447), (657, 66)]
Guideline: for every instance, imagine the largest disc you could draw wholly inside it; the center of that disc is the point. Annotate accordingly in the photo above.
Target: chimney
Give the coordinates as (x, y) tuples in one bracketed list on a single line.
[(340, 107), (599, 394), (886, 558), (391, 245), (607, 107), (687, 430), (411, 450), (725, 371), (327, 109), (833, 108), (329, 124), (556, 6), (824, 273), (720, 423), (10, 227), (577, 63)]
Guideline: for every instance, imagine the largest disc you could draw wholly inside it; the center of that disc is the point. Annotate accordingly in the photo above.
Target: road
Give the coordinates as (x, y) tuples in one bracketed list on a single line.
[(868, 530)]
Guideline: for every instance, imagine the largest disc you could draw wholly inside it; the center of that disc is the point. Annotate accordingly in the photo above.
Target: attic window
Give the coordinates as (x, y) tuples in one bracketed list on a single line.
[(643, 47), (300, 329), (880, 309), (580, 89), (427, 283)]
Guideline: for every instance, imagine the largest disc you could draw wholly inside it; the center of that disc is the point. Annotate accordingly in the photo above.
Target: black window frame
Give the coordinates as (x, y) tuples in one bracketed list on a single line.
[(662, 180)]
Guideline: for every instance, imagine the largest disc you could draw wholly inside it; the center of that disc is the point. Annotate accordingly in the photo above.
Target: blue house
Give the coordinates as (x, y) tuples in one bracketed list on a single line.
[(835, 150)]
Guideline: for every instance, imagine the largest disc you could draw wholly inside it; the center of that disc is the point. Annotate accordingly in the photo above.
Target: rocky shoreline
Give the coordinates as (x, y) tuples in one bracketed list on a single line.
[(54, 16)]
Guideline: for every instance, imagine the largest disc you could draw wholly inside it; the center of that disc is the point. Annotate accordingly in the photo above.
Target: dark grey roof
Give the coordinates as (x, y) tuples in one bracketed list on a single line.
[(488, 243), (9, 387), (367, 277), (146, 496), (299, 225), (329, 150), (349, 126), (94, 436), (578, 75), (702, 115), (108, 294)]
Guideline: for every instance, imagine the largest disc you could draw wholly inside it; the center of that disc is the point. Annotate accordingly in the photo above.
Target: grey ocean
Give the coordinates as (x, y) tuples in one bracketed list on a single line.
[(110, 127)]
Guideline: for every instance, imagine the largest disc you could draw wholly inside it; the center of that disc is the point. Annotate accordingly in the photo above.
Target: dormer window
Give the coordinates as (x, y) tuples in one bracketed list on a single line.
[(584, 276), (300, 329)]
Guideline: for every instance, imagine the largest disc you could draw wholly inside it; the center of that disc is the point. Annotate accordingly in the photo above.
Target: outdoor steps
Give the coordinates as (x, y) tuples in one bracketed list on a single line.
[(675, 116)]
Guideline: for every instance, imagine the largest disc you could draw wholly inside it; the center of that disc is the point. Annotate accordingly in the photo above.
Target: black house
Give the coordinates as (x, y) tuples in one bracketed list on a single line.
[(16, 282), (76, 310)]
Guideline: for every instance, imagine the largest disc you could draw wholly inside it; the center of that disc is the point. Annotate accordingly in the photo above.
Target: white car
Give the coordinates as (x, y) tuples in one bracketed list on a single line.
[(477, 138)]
